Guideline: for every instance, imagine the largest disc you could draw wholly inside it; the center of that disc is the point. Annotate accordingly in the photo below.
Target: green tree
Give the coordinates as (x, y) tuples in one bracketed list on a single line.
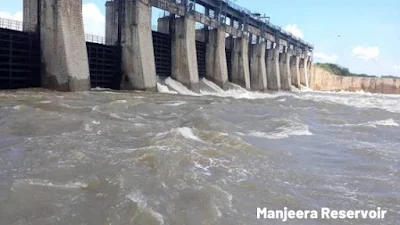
[(343, 71)]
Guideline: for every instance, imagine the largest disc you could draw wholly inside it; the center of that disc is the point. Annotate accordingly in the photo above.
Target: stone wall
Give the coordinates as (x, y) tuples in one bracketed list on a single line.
[(322, 80)]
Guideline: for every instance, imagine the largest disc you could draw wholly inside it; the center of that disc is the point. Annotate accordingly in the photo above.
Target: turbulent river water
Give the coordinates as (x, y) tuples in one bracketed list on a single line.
[(104, 157)]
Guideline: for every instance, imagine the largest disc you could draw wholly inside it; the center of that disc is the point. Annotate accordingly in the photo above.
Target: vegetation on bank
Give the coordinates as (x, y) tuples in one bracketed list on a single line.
[(343, 71)]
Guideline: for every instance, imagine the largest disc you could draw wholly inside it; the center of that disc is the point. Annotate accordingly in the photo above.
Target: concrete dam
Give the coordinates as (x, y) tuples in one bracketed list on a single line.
[(226, 134), (49, 48)]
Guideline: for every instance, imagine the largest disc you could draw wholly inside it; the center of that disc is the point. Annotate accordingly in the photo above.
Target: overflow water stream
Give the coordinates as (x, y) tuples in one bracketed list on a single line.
[(180, 158)]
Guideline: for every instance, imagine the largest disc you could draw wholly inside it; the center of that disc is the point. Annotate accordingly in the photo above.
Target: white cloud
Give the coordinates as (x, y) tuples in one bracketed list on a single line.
[(396, 67), (93, 19), (366, 52), (16, 16), (292, 28), (325, 57)]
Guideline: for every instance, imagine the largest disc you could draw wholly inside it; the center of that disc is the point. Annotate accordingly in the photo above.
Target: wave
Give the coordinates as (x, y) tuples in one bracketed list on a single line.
[(292, 129), (146, 213), (46, 183), (208, 88), (388, 122), (305, 89), (360, 99), (164, 89), (237, 92), (122, 101), (295, 89), (187, 133), (178, 87), (175, 103), (18, 107), (211, 85)]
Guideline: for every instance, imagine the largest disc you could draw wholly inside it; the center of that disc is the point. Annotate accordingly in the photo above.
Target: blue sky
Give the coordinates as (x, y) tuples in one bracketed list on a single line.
[(363, 35)]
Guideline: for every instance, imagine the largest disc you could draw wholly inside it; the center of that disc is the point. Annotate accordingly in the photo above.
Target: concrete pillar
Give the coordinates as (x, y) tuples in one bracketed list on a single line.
[(216, 65), (138, 64), (63, 47), (163, 25), (30, 15), (295, 70), (309, 71), (184, 58), (258, 70), (201, 35), (229, 42), (303, 70), (306, 70), (112, 22), (285, 71), (273, 75), (240, 62)]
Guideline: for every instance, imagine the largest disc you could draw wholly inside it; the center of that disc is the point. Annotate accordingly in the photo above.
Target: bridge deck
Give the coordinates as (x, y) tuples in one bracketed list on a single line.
[(253, 25)]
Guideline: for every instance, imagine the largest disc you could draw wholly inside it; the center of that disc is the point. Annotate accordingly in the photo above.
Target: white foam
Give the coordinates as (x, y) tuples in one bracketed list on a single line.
[(360, 100), (211, 85), (88, 127), (295, 89), (388, 122), (122, 101), (138, 198), (238, 92), (177, 103), (116, 116), (178, 87), (141, 201), (17, 107), (188, 133), (352, 99), (101, 89), (281, 100), (305, 89), (46, 183), (164, 89), (70, 106), (235, 91), (294, 129), (204, 169)]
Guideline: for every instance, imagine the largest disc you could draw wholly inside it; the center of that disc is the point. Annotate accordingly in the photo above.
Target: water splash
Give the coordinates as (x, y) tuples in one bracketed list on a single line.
[(187, 132)]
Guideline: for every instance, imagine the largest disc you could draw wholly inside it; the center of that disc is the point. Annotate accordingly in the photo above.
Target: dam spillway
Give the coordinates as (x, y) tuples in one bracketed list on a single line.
[(233, 45)]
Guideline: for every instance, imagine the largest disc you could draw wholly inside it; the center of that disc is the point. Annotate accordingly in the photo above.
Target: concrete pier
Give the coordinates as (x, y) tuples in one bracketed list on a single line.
[(184, 58), (273, 75), (309, 71), (138, 64), (303, 70), (64, 56), (30, 16), (112, 22), (163, 25), (306, 70), (295, 70), (216, 65), (258, 73), (285, 71), (240, 62)]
